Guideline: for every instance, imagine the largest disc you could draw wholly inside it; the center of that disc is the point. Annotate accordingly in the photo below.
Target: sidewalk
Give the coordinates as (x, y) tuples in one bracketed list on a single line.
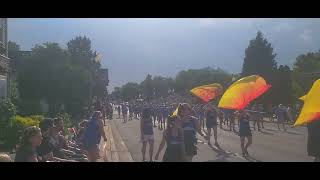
[(114, 150)]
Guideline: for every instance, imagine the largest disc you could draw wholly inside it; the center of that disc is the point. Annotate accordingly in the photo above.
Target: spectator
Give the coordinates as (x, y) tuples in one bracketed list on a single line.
[(48, 149), (30, 140), (313, 146), (92, 136), (5, 158), (63, 145)]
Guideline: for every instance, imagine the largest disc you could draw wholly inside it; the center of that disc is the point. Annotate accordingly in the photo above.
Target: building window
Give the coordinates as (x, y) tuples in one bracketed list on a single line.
[(2, 31), (3, 87), (2, 36)]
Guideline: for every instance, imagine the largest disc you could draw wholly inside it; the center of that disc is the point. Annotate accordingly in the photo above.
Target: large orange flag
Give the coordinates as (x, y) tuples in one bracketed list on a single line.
[(207, 92), (311, 107), (242, 92)]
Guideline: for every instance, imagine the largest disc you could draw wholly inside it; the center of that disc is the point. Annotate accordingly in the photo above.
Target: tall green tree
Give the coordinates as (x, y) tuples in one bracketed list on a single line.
[(306, 70), (82, 55), (147, 87), (260, 60), (283, 90), (130, 91)]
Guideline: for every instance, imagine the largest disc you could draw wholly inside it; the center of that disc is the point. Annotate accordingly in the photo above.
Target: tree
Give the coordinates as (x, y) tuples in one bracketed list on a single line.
[(116, 93), (260, 60), (40, 76), (147, 87), (306, 70), (14, 54), (82, 55), (283, 86), (130, 91), (186, 80)]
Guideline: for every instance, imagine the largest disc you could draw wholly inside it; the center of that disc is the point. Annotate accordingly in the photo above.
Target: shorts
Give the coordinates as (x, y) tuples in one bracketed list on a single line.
[(147, 138), (211, 124), (245, 133)]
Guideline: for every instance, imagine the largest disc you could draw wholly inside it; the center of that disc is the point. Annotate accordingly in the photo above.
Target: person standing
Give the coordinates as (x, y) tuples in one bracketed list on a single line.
[(173, 138), (244, 132), (261, 115), (255, 117), (92, 136), (191, 126), (124, 112), (281, 113), (313, 146), (146, 133), (118, 109), (211, 123)]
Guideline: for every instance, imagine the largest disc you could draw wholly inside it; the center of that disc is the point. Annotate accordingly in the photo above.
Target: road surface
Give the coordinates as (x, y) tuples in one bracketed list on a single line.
[(269, 145)]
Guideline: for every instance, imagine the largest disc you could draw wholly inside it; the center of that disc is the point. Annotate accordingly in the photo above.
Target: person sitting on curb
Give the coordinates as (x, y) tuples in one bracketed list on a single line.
[(5, 158), (48, 150), (30, 140)]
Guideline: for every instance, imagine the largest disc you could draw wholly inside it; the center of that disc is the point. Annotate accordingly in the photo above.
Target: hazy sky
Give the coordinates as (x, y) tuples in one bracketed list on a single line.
[(132, 48)]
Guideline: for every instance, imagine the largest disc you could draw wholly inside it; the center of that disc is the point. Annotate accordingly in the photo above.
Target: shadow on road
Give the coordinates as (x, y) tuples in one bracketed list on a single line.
[(266, 133), (251, 159), (221, 154), (293, 133)]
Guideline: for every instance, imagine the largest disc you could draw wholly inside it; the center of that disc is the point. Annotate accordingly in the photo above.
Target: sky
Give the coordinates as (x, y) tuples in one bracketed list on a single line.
[(133, 47)]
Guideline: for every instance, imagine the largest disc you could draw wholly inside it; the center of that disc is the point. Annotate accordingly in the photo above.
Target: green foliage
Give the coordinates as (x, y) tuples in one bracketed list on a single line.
[(307, 70), (59, 77), (130, 91), (7, 112), (161, 86), (19, 123), (186, 80), (282, 86), (27, 121), (259, 58)]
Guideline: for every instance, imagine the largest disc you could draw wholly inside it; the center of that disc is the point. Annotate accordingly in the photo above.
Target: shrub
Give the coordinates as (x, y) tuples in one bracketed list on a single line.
[(7, 113), (19, 123)]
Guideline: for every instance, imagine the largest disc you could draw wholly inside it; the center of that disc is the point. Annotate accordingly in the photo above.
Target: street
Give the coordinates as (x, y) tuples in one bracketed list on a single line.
[(269, 145)]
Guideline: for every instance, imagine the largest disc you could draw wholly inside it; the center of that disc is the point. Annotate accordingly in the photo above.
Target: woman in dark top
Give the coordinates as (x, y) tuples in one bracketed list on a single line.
[(191, 127), (30, 140), (244, 132), (314, 140), (173, 137), (146, 128), (211, 123)]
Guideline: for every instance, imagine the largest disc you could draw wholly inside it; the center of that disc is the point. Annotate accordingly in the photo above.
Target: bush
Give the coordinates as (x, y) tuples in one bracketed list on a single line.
[(24, 122), (19, 123), (7, 113)]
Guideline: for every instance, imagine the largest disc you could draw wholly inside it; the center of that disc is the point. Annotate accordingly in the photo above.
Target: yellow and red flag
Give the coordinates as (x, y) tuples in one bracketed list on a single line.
[(207, 92), (311, 107), (242, 92)]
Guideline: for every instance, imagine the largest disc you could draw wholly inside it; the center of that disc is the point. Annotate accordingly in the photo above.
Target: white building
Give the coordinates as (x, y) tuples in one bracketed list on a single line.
[(4, 60)]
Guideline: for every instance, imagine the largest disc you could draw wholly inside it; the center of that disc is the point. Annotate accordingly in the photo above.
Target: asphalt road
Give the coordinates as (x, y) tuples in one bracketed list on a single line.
[(269, 145)]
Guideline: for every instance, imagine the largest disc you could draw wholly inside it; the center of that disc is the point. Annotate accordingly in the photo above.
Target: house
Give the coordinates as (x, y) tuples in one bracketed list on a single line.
[(4, 60)]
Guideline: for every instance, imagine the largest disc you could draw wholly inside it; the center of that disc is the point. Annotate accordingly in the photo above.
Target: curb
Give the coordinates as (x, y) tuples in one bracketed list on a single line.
[(114, 150)]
